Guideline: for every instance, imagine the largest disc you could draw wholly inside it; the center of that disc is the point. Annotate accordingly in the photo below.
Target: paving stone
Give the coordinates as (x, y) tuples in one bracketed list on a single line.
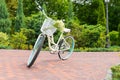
[(80, 66)]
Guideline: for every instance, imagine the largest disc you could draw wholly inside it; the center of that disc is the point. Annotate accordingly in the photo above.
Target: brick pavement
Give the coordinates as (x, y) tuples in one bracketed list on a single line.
[(80, 66)]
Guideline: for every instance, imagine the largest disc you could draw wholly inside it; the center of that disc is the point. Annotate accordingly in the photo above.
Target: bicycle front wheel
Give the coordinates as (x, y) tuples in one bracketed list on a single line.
[(66, 47), (36, 50)]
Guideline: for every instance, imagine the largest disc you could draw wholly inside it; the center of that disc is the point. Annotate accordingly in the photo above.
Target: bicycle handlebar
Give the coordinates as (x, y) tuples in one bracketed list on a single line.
[(41, 9)]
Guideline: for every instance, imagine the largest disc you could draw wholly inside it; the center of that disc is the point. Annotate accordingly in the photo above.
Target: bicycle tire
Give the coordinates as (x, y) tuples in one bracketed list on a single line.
[(36, 50), (65, 54)]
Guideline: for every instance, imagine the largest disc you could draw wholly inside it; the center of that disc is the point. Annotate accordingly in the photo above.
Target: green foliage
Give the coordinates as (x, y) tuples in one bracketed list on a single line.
[(20, 16), (76, 31), (88, 35), (70, 11), (4, 40), (75, 14), (111, 49), (18, 41), (114, 14), (87, 13), (4, 20), (34, 22), (29, 7), (58, 8), (100, 49), (113, 37), (93, 35), (30, 34), (5, 25), (3, 10), (23, 39), (101, 13), (12, 7), (118, 35), (115, 72)]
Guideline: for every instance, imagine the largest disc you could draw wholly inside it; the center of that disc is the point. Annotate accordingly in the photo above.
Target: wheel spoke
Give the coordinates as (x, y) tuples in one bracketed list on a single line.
[(66, 48)]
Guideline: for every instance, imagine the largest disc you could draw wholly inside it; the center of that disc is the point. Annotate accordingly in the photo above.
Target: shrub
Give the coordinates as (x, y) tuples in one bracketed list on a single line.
[(115, 72), (110, 49), (88, 35), (5, 25), (76, 31), (34, 22), (4, 40), (113, 37), (18, 41), (4, 20), (19, 22), (118, 35), (30, 34), (23, 39)]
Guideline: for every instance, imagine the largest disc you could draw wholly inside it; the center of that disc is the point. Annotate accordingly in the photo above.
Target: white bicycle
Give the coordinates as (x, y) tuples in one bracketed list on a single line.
[(64, 46)]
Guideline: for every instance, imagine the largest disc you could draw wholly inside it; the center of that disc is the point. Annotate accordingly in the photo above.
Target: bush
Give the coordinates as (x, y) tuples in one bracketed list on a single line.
[(113, 37), (118, 35), (110, 49), (23, 39), (4, 40), (30, 34), (4, 47), (34, 22), (5, 23), (18, 41), (88, 35), (76, 31), (115, 72)]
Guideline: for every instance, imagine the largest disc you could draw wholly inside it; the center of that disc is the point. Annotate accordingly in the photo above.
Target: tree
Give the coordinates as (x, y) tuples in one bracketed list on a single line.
[(12, 7), (70, 11), (101, 13), (4, 21), (114, 14), (20, 16), (29, 7), (56, 8), (90, 11), (86, 11), (119, 34)]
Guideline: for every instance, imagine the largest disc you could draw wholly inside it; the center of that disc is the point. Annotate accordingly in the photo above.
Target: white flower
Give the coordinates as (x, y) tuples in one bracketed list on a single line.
[(59, 25)]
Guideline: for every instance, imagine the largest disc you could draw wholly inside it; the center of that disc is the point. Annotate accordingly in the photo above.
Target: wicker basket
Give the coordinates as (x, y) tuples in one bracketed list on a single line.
[(47, 27)]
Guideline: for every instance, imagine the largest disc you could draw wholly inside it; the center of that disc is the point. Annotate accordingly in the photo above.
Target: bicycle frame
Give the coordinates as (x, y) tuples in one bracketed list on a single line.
[(56, 45), (64, 45), (51, 42)]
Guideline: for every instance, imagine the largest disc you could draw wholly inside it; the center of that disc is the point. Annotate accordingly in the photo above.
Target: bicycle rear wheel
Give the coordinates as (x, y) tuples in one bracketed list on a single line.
[(66, 47), (37, 47)]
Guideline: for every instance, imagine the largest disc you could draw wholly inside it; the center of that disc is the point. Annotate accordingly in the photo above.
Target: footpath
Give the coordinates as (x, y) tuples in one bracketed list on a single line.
[(80, 66)]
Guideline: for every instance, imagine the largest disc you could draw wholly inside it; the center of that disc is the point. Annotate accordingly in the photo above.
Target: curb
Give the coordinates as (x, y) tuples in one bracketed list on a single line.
[(109, 75)]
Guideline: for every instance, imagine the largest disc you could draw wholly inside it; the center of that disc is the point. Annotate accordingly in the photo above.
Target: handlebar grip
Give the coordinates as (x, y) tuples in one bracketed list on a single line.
[(39, 7)]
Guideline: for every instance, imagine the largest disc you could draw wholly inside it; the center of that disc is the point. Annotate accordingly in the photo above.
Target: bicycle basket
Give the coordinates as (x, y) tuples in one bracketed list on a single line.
[(47, 27)]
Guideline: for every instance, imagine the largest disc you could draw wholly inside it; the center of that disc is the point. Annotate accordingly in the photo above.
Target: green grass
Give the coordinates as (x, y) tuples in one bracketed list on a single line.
[(110, 49), (116, 72), (4, 47)]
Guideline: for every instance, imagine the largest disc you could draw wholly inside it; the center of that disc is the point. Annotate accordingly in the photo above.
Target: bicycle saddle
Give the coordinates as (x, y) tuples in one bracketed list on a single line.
[(66, 30)]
